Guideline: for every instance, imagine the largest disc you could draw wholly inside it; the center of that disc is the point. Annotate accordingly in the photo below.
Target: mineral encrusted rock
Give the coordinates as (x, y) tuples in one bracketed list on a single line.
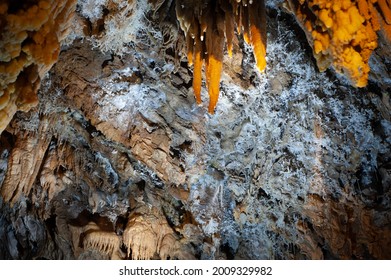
[(118, 161), (30, 33)]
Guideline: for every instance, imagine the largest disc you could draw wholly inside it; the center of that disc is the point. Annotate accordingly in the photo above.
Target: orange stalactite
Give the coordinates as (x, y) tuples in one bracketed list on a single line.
[(259, 48), (214, 48), (215, 67), (197, 72), (258, 33)]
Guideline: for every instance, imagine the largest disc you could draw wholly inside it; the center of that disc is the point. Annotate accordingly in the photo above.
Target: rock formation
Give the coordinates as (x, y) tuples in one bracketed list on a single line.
[(31, 32), (207, 25), (119, 159), (343, 34)]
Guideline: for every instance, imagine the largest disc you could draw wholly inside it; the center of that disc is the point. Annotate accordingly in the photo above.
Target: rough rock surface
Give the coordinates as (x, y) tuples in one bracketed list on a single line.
[(118, 161), (30, 36)]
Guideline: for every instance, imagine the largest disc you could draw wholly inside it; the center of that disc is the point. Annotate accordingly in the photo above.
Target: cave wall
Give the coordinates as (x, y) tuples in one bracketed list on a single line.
[(31, 33), (117, 161)]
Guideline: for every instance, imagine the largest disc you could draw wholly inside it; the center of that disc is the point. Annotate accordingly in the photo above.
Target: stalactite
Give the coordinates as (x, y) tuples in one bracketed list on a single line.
[(214, 41), (208, 25), (257, 17), (91, 237), (25, 163), (342, 34), (197, 60), (147, 233), (106, 242)]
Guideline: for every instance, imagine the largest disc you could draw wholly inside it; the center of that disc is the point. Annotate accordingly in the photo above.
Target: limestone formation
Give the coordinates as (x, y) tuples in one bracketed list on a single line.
[(31, 33), (343, 34), (118, 161), (207, 25)]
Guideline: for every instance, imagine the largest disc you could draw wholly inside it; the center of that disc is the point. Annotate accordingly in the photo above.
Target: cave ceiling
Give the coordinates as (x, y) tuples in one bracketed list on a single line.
[(180, 129)]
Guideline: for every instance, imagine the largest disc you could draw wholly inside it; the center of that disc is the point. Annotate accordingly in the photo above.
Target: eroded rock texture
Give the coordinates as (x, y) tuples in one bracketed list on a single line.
[(343, 34), (30, 33), (118, 161)]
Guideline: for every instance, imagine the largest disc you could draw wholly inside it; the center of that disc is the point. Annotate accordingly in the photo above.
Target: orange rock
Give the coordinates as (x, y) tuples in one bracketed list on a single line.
[(39, 29), (343, 33)]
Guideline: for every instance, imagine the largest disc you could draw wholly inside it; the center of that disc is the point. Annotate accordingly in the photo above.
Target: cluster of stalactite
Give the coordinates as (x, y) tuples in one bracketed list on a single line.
[(343, 34), (147, 235), (30, 36), (208, 25)]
